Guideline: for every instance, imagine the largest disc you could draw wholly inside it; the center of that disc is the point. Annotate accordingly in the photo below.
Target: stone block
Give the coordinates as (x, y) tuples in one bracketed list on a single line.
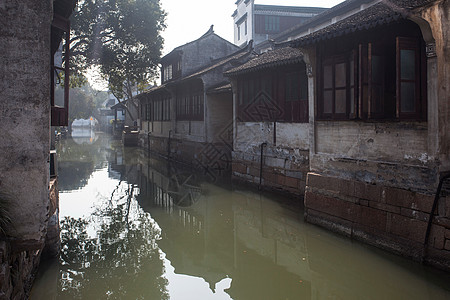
[(447, 245), (447, 234), (444, 207), (330, 205), (291, 182), (371, 217), (295, 174), (270, 177), (423, 202), (385, 207), (253, 171), (373, 192), (359, 189), (239, 168), (275, 162), (332, 223), (414, 214), (322, 182), (408, 228), (399, 197), (346, 187), (437, 237), (281, 179), (364, 202)]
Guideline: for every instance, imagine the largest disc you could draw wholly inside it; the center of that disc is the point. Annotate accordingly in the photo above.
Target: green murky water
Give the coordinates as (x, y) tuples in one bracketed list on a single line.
[(139, 228)]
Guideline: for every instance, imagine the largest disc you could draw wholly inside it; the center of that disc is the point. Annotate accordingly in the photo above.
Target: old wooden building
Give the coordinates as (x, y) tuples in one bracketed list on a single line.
[(189, 116), (271, 129), (380, 138)]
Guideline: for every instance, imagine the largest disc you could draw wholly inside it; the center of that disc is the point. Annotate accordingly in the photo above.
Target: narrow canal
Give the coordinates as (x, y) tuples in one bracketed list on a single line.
[(140, 228)]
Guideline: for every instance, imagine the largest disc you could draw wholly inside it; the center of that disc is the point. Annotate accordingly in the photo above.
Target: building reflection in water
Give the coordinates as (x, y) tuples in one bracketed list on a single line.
[(164, 232), (264, 247)]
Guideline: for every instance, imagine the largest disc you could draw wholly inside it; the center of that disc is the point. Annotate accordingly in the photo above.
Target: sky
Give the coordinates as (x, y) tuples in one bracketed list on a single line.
[(188, 20)]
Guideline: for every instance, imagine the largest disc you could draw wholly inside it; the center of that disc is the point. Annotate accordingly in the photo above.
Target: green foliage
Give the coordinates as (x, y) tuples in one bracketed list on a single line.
[(84, 101), (122, 37)]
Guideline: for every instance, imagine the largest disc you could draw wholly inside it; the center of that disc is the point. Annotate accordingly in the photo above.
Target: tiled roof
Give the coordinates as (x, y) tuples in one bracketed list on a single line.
[(409, 4), (378, 14), (235, 57), (220, 62), (292, 9), (279, 57), (220, 89), (155, 89), (208, 33)]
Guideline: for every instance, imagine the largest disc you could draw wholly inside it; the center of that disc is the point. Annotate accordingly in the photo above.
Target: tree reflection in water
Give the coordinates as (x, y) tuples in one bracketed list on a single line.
[(120, 261)]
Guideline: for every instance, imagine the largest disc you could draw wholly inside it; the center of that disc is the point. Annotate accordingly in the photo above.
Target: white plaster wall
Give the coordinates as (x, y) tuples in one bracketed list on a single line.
[(243, 9), (251, 134), (391, 142), (159, 128), (288, 135), (293, 135)]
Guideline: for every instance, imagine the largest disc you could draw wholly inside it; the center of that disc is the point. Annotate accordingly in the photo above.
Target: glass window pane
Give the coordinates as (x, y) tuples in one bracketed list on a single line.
[(328, 102), (340, 76), (408, 97), (408, 64), (340, 102), (327, 77)]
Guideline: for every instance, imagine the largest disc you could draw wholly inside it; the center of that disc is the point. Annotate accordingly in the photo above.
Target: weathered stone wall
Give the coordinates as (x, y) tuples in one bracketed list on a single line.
[(375, 181), (25, 109), (391, 218), (203, 51), (16, 271), (285, 155), (24, 138), (437, 18), (393, 154)]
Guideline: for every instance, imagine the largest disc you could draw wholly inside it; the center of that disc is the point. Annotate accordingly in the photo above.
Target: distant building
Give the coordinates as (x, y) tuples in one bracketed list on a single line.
[(189, 117), (261, 22)]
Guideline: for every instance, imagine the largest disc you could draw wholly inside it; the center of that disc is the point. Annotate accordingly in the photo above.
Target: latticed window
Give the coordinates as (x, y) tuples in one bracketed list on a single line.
[(383, 79)]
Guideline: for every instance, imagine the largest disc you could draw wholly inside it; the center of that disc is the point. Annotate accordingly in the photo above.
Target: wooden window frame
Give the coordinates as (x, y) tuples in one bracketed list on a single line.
[(333, 62), (364, 84), (190, 106), (273, 84), (404, 43)]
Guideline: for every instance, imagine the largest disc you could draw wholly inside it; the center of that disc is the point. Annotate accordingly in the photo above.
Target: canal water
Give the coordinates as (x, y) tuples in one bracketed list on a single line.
[(134, 227)]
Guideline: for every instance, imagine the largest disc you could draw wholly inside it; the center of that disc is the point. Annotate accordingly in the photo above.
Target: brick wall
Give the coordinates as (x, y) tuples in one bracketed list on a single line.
[(391, 218), (283, 169)]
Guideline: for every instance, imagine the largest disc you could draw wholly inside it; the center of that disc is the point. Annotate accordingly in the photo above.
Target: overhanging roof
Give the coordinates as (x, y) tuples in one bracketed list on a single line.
[(275, 58), (381, 13)]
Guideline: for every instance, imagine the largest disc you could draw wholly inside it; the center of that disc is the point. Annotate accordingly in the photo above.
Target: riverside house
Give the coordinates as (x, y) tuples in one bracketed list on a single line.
[(188, 117), (271, 129), (380, 117)]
